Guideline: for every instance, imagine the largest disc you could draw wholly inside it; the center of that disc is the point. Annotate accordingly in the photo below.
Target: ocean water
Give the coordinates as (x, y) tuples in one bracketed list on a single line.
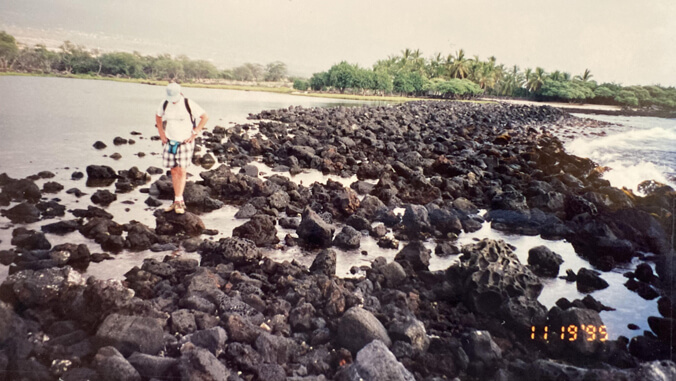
[(634, 148)]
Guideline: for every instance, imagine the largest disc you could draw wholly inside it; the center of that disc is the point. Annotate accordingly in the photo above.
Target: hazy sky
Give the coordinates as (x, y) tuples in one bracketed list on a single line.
[(624, 41)]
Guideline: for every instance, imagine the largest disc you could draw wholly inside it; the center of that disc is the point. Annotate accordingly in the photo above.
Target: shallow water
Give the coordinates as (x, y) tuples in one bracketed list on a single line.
[(51, 124), (630, 308)]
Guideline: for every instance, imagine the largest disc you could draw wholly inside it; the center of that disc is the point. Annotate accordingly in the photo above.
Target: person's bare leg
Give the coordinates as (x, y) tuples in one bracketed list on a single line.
[(178, 180)]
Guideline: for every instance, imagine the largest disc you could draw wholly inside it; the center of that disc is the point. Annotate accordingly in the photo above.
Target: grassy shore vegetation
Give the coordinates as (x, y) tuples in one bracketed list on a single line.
[(397, 78)]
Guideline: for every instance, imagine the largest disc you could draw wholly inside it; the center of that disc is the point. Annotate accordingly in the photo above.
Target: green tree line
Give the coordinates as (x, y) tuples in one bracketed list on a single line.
[(76, 59), (458, 76)]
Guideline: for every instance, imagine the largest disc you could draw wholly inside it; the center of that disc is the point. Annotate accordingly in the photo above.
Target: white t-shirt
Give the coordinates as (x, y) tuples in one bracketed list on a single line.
[(179, 126)]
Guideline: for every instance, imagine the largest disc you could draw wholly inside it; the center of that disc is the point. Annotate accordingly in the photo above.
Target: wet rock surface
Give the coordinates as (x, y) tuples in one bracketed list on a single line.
[(240, 315)]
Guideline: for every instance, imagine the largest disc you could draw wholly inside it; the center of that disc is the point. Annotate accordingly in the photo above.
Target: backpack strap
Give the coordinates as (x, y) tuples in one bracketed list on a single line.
[(187, 106)]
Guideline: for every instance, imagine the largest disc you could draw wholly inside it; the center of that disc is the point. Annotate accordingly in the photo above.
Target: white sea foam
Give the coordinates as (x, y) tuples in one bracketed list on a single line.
[(629, 176), (641, 152)]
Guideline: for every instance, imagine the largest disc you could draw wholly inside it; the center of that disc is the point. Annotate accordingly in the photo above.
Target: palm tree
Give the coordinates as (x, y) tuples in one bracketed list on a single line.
[(511, 81), (586, 76), (460, 67), (537, 79), (436, 67), (448, 66), (556, 76), (405, 56)]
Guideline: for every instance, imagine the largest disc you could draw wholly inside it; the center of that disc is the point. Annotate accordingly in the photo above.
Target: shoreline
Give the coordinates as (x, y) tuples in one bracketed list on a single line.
[(568, 107), (587, 108), (443, 162)]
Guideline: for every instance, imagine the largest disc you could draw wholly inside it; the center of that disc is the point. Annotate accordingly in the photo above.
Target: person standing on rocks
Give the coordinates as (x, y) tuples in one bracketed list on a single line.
[(178, 138)]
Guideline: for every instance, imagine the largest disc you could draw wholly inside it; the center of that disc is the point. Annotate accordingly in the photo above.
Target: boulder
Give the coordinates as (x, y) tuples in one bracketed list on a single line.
[(271, 372), (375, 362), (664, 328), (100, 172), (416, 254), (153, 366), (358, 222), (324, 263), (24, 213), (130, 334), (416, 220), (30, 240), (120, 140), (289, 222), (411, 331), (13, 335), (509, 200), (103, 197), (139, 237), (61, 227), (394, 274), (199, 364), (260, 229), (233, 249), (348, 238), (112, 366), (41, 288), (544, 262), (491, 280), (198, 196), (526, 222), (480, 347), (358, 327), (279, 200), (249, 170), (314, 231), (579, 341), (553, 370), (246, 211), (549, 202), (174, 224), (649, 348), (301, 317), (212, 339), (241, 329), (370, 206), (275, 349), (21, 190), (445, 221), (589, 280), (183, 322), (52, 187)]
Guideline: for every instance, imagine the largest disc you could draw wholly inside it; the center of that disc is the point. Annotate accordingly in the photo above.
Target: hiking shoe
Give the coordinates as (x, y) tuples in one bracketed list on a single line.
[(180, 207), (171, 207)]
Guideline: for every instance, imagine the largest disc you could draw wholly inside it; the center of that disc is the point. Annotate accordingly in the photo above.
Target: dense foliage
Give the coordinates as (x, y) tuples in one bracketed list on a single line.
[(456, 76), (76, 59)]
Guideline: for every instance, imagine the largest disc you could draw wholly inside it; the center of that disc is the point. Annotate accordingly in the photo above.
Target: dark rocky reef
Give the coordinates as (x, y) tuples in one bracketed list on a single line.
[(238, 315)]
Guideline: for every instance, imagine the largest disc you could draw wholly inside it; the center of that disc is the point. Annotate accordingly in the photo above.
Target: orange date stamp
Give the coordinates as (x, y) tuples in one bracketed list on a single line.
[(570, 333)]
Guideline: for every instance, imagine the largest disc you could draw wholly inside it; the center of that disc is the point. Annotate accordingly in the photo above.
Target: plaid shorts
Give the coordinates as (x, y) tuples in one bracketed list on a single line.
[(182, 158)]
